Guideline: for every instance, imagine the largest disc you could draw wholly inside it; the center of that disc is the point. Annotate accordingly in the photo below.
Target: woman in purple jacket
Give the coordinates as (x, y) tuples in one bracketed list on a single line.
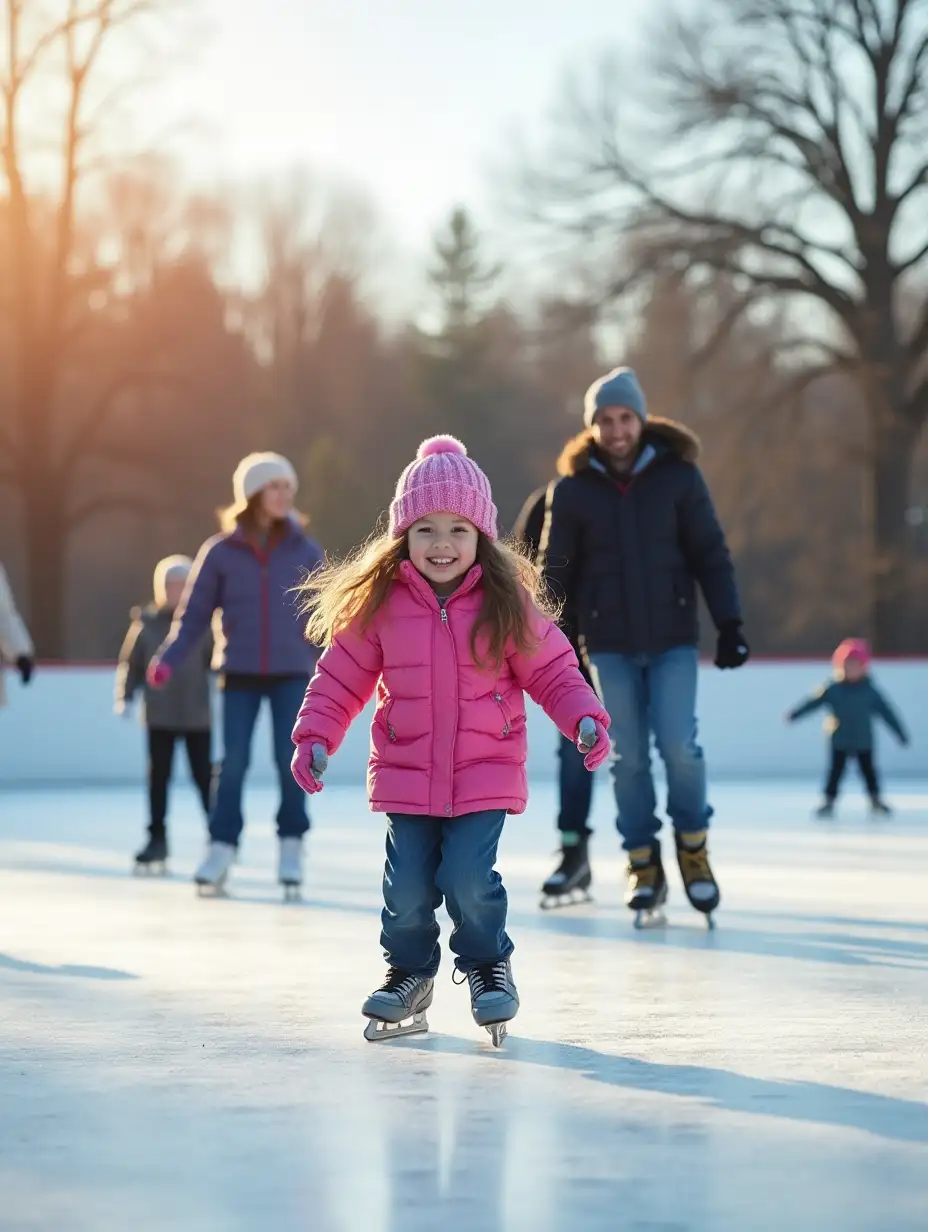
[(249, 572)]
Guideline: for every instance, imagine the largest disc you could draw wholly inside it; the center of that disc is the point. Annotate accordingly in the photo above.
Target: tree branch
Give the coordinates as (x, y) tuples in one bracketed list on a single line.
[(85, 440), (113, 503), (915, 259)]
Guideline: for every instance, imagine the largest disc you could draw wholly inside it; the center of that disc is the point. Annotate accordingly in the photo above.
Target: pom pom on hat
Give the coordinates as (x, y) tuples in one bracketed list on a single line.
[(441, 444), (443, 479)]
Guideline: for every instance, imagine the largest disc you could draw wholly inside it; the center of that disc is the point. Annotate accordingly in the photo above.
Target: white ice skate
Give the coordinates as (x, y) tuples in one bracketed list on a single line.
[(494, 1000), (398, 1006), (290, 868), (213, 873)]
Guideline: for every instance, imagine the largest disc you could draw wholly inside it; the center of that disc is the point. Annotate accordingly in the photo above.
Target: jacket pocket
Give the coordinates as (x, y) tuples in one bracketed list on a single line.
[(385, 715), (504, 714)]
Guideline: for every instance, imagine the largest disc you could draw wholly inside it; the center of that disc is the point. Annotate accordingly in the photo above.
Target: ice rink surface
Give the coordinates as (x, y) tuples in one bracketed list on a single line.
[(173, 1063)]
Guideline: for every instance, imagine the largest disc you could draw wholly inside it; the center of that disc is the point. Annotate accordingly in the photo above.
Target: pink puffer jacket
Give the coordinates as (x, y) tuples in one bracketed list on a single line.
[(448, 738)]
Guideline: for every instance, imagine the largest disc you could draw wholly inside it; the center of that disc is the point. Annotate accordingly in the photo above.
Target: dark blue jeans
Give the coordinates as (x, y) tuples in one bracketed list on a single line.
[(645, 694), (576, 789), (240, 710), (430, 859)]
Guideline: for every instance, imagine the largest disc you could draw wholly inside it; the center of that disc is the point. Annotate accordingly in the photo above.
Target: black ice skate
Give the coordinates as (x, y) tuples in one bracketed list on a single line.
[(826, 809), (494, 999), (646, 892), (698, 881), (153, 858), (879, 808), (570, 882), (398, 1006)]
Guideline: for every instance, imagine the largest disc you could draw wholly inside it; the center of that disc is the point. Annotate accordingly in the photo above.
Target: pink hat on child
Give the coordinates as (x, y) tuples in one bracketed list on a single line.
[(852, 648), (442, 479)]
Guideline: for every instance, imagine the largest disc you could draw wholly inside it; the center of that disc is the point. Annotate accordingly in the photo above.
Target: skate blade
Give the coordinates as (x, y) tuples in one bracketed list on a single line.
[(378, 1029), (573, 898), (650, 917), (206, 890), (498, 1032), (293, 891), (157, 868)]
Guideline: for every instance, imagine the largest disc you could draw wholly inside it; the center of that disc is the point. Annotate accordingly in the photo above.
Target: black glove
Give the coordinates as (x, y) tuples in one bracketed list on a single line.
[(25, 666), (732, 650)]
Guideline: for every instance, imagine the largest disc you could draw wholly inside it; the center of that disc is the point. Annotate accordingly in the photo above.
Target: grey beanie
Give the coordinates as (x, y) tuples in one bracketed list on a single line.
[(171, 569), (619, 387)]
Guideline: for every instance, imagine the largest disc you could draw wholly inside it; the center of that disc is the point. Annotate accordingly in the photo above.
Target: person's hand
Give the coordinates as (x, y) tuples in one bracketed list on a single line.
[(788, 717), (593, 742), (309, 765), (732, 649), (25, 665), (158, 674), (123, 709)]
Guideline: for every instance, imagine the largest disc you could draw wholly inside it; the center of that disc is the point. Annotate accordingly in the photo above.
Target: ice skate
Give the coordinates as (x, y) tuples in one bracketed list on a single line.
[(153, 858), (879, 808), (646, 891), (398, 1006), (494, 1000), (570, 882), (290, 868), (825, 810), (213, 872), (698, 881)]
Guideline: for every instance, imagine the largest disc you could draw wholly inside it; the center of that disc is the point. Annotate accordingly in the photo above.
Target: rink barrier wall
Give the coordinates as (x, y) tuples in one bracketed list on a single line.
[(62, 730)]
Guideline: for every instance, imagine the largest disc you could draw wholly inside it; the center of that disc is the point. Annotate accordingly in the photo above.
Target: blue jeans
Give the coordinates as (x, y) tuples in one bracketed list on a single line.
[(645, 694), (240, 710), (433, 858), (576, 789)]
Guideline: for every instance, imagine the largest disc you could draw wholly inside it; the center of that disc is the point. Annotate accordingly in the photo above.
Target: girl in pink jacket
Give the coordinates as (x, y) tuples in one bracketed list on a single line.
[(448, 627)]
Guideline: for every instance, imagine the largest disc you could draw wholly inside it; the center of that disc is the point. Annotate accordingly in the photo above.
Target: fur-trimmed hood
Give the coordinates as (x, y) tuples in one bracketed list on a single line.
[(578, 452)]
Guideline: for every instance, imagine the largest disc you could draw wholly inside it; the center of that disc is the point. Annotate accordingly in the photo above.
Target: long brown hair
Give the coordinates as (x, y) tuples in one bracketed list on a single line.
[(355, 589), (246, 516)]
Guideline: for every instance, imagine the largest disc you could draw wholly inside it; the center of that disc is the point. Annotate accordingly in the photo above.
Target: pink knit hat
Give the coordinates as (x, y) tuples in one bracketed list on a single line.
[(852, 648), (442, 479)]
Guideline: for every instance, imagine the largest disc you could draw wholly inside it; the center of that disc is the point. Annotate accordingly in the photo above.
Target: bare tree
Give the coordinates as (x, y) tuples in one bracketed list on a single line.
[(789, 151), (64, 72)]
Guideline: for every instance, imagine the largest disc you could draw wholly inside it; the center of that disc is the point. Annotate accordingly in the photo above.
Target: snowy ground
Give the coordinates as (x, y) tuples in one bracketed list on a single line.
[(173, 1063)]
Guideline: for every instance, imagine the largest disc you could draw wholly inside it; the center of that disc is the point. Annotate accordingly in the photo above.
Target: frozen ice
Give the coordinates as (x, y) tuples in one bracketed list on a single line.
[(173, 1062)]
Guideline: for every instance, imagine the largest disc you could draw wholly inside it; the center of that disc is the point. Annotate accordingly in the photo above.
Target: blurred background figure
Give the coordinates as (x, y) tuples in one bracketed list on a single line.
[(853, 702), (15, 643), (181, 710), (250, 571)]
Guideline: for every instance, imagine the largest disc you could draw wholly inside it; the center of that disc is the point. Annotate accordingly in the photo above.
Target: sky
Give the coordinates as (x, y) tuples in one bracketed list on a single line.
[(411, 100)]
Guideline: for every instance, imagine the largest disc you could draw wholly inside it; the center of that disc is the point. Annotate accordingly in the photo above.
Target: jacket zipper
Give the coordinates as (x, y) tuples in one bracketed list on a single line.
[(454, 734), (386, 718), (265, 617), (507, 726)]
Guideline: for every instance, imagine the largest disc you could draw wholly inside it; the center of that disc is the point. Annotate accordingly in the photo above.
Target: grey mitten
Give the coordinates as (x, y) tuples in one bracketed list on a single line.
[(587, 737), (320, 762)]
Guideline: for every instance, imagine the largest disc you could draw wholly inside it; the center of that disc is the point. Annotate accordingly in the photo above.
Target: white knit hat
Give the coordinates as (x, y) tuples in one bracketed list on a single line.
[(255, 472), (171, 569)]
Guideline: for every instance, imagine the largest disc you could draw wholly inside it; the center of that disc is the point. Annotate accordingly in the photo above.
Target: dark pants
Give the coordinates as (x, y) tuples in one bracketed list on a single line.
[(576, 789), (161, 743), (240, 710), (430, 859), (839, 760)]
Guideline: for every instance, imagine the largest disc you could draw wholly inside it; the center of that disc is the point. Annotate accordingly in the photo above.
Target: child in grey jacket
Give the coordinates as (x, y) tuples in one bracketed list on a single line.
[(181, 710), (853, 701)]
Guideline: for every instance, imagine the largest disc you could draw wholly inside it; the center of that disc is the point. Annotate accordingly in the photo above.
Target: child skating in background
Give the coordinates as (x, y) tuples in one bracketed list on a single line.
[(179, 711), (853, 702), (447, 626)]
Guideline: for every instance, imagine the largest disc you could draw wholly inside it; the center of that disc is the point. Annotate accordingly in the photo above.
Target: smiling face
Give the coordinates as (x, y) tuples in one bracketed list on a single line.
[(276, 500), (443, 547), (617, 431)]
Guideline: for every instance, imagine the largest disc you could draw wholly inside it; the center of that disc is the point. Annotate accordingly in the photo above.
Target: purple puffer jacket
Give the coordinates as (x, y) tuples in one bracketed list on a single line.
[(260, 621)]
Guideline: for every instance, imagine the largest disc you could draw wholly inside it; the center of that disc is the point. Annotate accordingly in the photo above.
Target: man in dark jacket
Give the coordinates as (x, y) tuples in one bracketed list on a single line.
[(571, 879), (630, 532)]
